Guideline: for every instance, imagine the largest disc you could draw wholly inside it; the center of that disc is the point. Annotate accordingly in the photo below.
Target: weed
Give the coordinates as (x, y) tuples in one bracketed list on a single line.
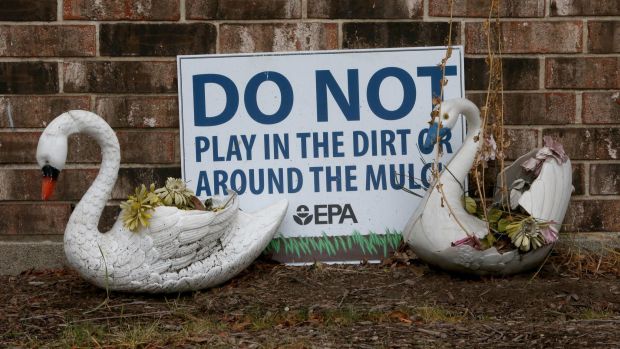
[(434, 313)]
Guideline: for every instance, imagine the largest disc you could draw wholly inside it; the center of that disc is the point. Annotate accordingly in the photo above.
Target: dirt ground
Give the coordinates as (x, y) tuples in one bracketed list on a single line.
[(320, 306)]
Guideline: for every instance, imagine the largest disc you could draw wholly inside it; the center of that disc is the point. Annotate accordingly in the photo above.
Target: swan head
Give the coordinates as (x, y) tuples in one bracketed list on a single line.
[(448, 113), (450, 110), (51, 156)]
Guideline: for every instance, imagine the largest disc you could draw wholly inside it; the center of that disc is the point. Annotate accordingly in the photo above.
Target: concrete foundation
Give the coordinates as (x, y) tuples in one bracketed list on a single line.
[(19, 256)]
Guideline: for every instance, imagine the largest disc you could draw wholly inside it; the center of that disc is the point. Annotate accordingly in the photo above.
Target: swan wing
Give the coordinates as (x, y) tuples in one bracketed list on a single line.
[(180, 237), (189, 250), (549, 195), (510, 174), (242, 241)]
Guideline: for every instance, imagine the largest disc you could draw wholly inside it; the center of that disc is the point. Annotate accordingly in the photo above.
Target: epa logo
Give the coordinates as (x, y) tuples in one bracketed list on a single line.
[(303, 215), (325, 214)]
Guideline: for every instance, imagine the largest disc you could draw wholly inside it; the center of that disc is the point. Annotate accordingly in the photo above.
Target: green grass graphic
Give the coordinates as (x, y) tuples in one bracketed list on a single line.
[(371, 243)]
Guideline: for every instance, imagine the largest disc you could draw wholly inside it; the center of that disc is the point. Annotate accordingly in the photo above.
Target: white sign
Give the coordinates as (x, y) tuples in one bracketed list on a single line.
[(337, 133)]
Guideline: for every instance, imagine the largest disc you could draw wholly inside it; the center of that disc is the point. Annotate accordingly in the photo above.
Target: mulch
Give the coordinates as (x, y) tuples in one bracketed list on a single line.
[(319, 306)]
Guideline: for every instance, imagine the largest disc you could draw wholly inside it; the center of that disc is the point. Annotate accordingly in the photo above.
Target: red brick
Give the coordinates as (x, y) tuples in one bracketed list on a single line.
[(23, 184), (18, 147), (120, 77), (28, 77), (588, 143), (481, 8), (278, 37), (592, 215), (604, 179), (604, 37), (601, 107), (521, 142), (534, 108), (588, 72), (579, 179), (137, 111), (585, 8), (397, 34), (143, 147), (518, 73), (243, 9), (28, 10), (47, 40), (526, 37), (491, 171), (33, 219), (122, 10), (26, 184), (130, 178), (177, 148), (37, 111), (131, 39), (352, 9)]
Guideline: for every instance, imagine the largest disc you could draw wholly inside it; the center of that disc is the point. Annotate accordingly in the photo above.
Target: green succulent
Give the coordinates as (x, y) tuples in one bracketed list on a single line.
[(525, 234), (176, 193), (136, 208)]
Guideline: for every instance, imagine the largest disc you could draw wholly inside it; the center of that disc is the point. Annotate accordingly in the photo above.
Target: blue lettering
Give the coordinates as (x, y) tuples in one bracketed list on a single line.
[(275, 181), (216, 151), (257, 186), (286, 97), (220, 177), (337, 144), (202, 145), (335, 178), (248, 144), (233, 149), (374, 181), (299, 180), (203, 184), (200, 109), (280, 146), (360, 143), (238, 176), (351, 108), (316, 171), (435, 73), (409, 93), (350, 177)]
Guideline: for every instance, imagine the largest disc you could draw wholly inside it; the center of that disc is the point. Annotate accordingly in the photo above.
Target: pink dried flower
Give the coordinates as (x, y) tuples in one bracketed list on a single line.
[(556, 148), (489, 150), (550, 234), (552, 149), (472, 241)]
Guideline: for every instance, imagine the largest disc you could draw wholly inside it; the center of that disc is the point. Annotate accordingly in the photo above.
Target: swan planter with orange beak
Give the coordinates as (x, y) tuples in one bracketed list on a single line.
[(180, 250), (442, 233)]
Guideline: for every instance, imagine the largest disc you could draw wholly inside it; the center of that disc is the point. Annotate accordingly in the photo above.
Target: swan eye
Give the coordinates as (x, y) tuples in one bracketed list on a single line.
[(446, 116)]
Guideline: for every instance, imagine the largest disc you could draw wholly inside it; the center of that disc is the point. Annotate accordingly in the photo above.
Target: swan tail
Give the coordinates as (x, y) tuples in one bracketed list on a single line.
[(248, 239), (548, 197)]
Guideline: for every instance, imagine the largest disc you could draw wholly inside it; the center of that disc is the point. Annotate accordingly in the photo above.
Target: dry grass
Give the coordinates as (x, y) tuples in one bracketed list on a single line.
[(572, 258)]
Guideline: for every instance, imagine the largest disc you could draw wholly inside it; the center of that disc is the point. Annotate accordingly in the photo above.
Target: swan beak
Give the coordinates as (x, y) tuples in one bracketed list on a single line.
[(50, 175)]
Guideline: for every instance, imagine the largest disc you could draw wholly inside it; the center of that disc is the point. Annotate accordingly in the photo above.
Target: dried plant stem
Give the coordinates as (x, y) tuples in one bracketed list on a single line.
[(435, 169)]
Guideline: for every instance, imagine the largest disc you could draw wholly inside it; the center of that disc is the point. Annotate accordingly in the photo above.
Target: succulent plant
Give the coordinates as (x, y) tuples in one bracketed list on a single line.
[(136, 208), (525, 234), (176, 193)]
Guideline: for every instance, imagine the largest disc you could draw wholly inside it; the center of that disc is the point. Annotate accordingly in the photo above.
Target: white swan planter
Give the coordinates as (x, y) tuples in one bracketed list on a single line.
[(441, 220), (179, 251)]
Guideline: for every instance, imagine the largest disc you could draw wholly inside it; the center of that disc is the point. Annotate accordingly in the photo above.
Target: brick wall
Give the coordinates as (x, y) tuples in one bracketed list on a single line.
[(117, 58)]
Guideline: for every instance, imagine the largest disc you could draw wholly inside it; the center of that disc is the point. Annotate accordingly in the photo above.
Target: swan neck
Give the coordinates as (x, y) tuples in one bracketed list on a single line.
[(88, 211), (463, 160)]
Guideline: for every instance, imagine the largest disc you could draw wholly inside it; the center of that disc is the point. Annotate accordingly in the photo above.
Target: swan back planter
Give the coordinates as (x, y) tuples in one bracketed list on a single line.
[(441, 221), (180, 250)]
